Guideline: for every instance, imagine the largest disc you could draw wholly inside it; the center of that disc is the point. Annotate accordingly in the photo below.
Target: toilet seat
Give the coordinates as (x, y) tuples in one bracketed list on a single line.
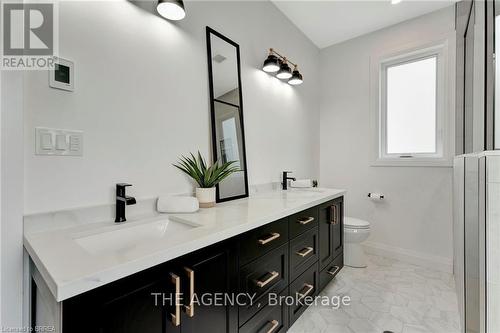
[(354, 223)]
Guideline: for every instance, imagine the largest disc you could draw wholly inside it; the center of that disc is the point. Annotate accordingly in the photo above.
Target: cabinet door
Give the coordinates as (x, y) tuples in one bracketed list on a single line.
[(134, 304), (207, 278), (148, 310), (331, 231), (338, 227)]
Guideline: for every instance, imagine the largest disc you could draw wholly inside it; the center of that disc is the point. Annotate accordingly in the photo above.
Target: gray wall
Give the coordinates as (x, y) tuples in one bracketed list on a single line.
[(415, 219), (141, 98)]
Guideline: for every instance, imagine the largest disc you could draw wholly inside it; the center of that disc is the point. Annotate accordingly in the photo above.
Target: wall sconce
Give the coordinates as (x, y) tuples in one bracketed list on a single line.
[(171, 9), (276, 63)]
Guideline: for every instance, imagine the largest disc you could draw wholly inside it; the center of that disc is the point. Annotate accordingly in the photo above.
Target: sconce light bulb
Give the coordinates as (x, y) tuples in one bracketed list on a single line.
[(271, 64), (171, 9), (296, 78), (285, 72)]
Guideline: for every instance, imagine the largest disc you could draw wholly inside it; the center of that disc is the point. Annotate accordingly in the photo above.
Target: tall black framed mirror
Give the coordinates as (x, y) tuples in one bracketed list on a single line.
[(226, 109)]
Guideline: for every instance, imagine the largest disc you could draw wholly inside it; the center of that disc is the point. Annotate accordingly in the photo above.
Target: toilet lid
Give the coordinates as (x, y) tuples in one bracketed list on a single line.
[(352, 222)]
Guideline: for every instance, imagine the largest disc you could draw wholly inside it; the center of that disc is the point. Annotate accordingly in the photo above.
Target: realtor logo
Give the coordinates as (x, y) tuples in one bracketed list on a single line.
[(28, 35)]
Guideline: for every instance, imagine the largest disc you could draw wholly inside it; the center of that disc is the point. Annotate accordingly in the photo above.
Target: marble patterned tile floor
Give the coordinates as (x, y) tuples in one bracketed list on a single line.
[(388, 295)]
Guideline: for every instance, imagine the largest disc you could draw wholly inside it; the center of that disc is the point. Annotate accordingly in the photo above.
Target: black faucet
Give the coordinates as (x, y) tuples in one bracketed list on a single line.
[(121, 201), (285, 179)]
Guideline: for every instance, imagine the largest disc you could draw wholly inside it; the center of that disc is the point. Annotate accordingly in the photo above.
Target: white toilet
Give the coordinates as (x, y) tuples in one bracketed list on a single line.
[(355, 232)]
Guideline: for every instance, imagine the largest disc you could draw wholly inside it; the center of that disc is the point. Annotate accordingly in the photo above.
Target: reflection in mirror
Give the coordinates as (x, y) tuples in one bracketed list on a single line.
[(228, 139), (224, 71)]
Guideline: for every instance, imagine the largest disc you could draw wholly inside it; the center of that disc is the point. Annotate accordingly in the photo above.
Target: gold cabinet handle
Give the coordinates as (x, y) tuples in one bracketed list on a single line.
[(335, 271), (189, 309), (273, 236), (274, 325), (333, 214), (176, 317), (309, 288), (262, 284), (304, 252), (306, 220)]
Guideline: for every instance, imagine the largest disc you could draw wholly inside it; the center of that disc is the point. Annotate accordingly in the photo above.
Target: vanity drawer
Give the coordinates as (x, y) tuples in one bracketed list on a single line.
[(303, 221), (305, 285), (303, 252), (272, 319), (330, 271), (255, 243), (262, 276)]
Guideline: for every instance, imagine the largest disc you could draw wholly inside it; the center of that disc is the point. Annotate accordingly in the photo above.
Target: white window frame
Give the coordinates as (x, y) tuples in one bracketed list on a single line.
[(444, 104)]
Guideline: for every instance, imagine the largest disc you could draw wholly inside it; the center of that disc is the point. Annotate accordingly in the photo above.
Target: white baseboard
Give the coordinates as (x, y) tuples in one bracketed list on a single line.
[(416, 258)]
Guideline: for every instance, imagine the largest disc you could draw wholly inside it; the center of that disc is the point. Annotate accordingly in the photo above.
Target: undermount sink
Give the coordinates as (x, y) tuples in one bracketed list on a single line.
[(303, 192), (120, 238), (308, 189)]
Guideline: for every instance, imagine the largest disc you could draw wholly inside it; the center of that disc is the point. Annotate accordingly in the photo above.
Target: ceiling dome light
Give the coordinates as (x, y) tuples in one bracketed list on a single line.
[(296, 78), (395, 2), (271, 64), (171, 9), (285, 71)]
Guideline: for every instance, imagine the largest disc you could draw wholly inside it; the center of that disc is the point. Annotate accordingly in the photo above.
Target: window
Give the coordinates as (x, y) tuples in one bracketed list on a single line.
[(411, 105)]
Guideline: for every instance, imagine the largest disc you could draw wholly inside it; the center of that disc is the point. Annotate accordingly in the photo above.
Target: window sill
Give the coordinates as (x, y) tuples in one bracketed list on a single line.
[(417, 162)]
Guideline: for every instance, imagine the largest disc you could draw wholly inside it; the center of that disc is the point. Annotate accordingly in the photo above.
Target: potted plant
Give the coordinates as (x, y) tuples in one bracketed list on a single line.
[(206, 176)]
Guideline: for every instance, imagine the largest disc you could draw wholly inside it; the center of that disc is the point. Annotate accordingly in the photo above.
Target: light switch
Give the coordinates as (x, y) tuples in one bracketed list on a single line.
[(61, 143), (46, 141), (74, 143), (44, 144)]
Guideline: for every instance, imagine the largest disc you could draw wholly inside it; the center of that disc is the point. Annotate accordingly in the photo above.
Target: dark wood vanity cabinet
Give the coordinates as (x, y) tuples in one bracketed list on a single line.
[(294, 257), (314, 252), (146, 302)]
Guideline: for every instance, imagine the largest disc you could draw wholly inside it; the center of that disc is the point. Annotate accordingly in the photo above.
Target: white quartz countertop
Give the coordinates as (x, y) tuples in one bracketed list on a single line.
[(70, 266)]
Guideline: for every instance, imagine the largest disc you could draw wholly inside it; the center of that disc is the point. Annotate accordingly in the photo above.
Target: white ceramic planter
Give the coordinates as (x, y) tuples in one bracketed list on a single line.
[(206, 197)]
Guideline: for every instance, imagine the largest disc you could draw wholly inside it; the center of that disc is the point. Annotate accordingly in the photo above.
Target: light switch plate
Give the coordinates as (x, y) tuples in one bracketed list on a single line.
[(58, 142)]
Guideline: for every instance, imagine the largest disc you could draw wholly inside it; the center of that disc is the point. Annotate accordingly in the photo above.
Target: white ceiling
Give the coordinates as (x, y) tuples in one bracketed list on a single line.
[(225, 73), (333, 21)]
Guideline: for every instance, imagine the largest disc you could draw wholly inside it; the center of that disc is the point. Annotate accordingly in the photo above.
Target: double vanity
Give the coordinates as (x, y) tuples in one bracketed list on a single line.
[(225, 269)]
